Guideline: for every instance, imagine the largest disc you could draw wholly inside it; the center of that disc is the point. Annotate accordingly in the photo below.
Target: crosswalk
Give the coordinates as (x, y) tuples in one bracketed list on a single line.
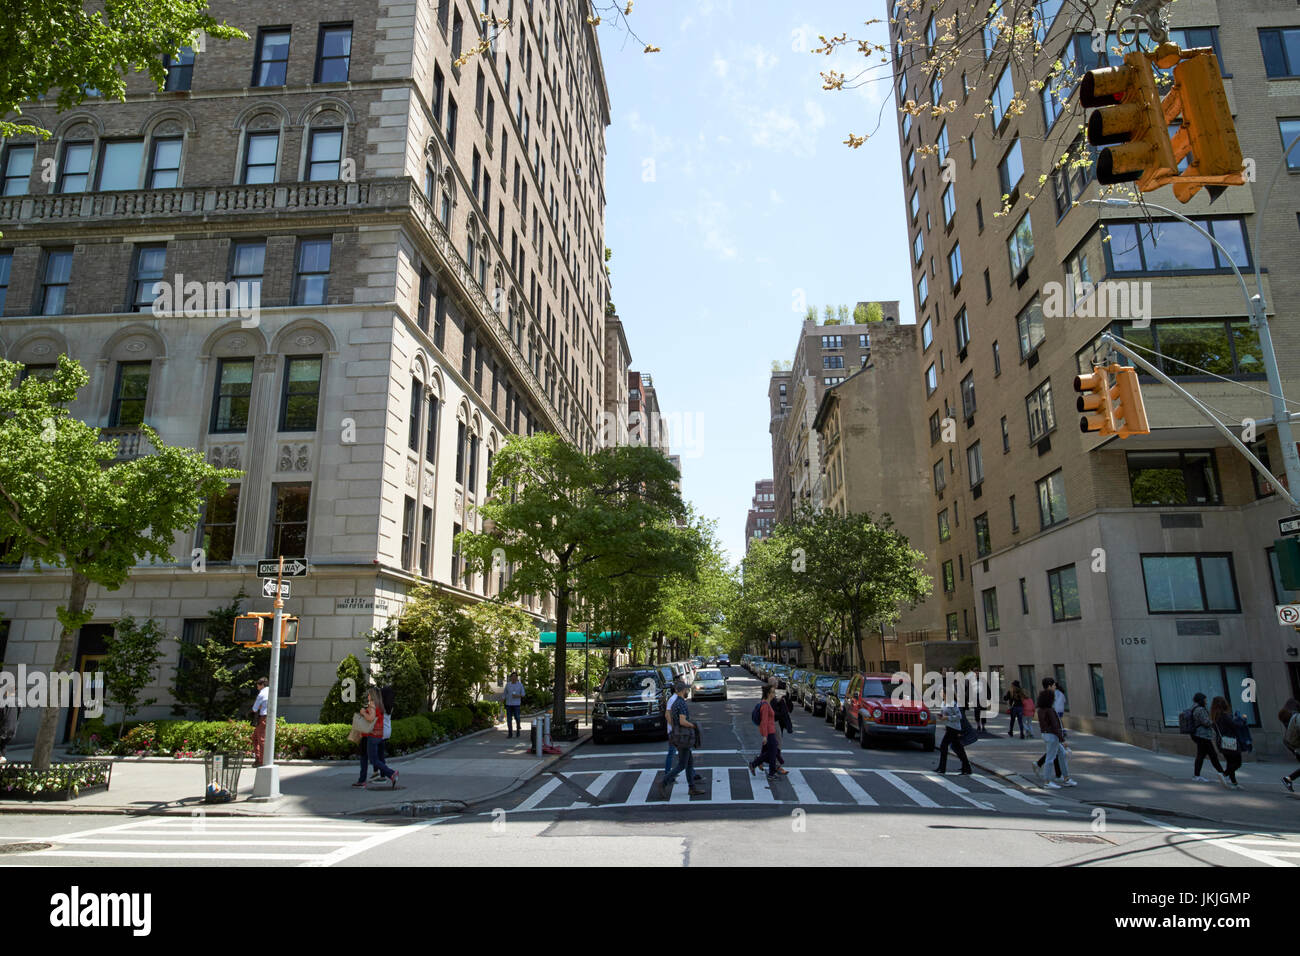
[(1271, 849), (273, 840), (817, 786)]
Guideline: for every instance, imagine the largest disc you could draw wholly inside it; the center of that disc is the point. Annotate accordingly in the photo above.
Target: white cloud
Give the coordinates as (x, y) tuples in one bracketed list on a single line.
[(719, 65), (761, 57)]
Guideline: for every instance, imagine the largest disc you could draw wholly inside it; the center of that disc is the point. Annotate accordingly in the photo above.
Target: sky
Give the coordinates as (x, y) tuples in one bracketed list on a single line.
[(732, 204)]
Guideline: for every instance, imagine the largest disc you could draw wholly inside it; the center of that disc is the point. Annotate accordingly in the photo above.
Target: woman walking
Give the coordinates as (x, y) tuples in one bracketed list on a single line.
[(1053, 734), (952, 738), (371, 740), (1019, 700), (771, 747), (1203, 737), (1290, 717), (1228, 736)]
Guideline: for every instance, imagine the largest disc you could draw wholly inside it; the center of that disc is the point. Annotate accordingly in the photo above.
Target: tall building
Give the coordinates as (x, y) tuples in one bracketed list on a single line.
[(1139, 571), (762, 513), (618, 358), (824, 356), (424, 241), (645, 421)]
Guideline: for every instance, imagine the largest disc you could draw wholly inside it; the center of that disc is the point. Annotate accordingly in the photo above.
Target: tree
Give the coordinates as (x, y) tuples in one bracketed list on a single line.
[(215, 677), (507, 631), (553, 510), (69, 503), (442, 637), (874, 312), (343, 699), (78, 48), (132, 653)]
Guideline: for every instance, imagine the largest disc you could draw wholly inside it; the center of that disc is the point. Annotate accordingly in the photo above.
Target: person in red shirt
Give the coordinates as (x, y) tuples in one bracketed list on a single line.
[(374, 710), (771, 748)]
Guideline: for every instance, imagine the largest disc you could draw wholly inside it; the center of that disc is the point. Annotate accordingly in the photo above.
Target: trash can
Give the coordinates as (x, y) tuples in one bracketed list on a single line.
[(568, 731), (222, 775)]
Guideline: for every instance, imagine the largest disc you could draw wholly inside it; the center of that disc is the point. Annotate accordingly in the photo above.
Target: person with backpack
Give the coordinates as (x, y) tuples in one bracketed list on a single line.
[(1227, 736), (952, 717), (781, 708), (1018, 700), (373, 739), (1053, 735), (683, 734), (1289, 715), (765, 718), (1196, 723)]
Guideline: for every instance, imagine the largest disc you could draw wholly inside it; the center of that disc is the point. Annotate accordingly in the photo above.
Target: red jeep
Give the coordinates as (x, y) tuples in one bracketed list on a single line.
[(879, 706)]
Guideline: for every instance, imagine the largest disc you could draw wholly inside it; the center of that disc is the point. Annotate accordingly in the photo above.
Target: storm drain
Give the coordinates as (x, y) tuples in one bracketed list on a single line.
[(1074, 838), (23, 847)]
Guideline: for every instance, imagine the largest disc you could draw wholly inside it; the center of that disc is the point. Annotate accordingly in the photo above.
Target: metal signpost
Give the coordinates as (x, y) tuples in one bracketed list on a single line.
[(266, 784)]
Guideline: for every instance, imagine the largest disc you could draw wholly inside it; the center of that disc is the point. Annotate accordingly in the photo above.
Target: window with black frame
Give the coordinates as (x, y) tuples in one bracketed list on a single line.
[(1175, 247), (130, 393), (300, 400), (1171, 478), (1190, 584), (1191, 348)]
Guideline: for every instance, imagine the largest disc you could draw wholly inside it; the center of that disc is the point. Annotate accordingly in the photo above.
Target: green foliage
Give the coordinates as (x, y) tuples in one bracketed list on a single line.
[(215, 678), (19, 780), (874, 313), (344, 698), (596, 667), (968, 662), (132, 652), (74, 47), (507, 632), (410, 695), (444, 640), (538, 676)]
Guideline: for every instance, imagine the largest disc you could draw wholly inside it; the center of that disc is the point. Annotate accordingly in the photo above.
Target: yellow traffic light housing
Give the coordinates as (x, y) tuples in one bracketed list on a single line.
[(1129, 120), (1095, 401), (1127, 406), (254, 630), (1207, 133)]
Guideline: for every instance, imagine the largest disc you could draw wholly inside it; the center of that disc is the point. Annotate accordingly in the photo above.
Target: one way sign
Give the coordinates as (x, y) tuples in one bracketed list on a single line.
[(268, 588), (292, 568)]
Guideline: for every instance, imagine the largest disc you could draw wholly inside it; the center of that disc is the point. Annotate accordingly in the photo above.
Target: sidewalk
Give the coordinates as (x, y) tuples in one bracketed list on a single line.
[(441, 779), (1117, 775)]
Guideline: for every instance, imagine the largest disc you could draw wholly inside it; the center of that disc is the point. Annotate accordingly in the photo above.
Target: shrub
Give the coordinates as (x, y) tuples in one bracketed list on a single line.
[(350, 677), (410, 694), (459, 718), (142, 738), (487, 711), (21, 780)]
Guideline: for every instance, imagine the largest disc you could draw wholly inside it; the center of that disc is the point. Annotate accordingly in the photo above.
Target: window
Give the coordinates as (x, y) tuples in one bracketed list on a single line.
[(300, 399), (914, 204), (17, 170), (1069, 182), (942, 143), (983, 541), (968, 396), (1164, 478), (997, 361), (1030, 325), (1024, 596), (1041, 414), (451, 121), (1281, 594), (413, 419), (164, 163), (1020, 247), (918, 247), (119, 164), (1063, 585), (949, 204), (907, 125), (325, 155), (1003, 93), (993, 27), (408, 531), (439, 84), (472, 485), (1052, 508), (271, 65), (922, 290), (261, 155), (426, 541), (1220, 347), (180, 70), (934, 428), (217, 530), (1015, 520), (911, 162), (927, 334), (832, 341), (832, 361), (455, 554), (939, 482), (6, 264), (979, 215), (130, 390), (58, 273), (234, 390), (431, 430), (954, 266), (333, 53), (1098, 680), (1190, 583), (247, 263), (460, 452), (1012, 169), (949, 579), (1281, 49), (1178, 682), (945, 532), (149, 265), (1290, 130), (1006, 436), (457, 34), (991, 622), (975, 465), (289, 520), (931, 380), (952, 626), (74, 171), (311, 284), (1058, 672), (1175, 247)]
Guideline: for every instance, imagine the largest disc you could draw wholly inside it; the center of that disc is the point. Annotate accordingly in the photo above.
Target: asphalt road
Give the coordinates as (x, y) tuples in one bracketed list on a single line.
[(840, 805)]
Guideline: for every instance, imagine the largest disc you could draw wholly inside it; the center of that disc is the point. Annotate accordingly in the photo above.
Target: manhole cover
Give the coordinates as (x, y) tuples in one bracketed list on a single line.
[(1074, 838), (23, 847)]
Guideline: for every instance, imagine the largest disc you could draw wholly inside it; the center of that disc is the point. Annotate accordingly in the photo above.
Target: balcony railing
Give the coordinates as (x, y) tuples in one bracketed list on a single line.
[(131, 442)]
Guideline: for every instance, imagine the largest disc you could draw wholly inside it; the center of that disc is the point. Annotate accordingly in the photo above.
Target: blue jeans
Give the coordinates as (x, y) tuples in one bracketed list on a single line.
[(769, 753), (1017, 713), (512, 713), (1056, 751), (372, 750), (684, 761)]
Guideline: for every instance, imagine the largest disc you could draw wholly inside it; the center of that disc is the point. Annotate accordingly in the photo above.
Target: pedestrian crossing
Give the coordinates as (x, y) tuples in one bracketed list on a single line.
[(816, 786), (273, 840), (1271, 849)]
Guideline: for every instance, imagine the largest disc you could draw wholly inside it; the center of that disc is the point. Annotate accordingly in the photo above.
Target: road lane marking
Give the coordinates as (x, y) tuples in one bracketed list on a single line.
[(600, 783), (859, 795), (721, 792), (641, 789), (802, 791), (540, 794), (998, 785), (962, 792), (394, 833), (907, 789)]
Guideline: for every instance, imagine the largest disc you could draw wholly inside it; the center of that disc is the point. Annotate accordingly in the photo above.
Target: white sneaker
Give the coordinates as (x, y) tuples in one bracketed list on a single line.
[(1053, 785), (1038, 771), (1200, 780), (1223, 779), (1070, 783)]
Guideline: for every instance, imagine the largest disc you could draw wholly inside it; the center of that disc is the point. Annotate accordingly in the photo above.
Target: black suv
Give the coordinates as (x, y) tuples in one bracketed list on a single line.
[(631, 702)]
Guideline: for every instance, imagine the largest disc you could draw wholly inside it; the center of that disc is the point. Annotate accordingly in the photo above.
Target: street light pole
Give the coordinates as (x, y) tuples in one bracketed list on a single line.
[(266, 784), (1259, 322)]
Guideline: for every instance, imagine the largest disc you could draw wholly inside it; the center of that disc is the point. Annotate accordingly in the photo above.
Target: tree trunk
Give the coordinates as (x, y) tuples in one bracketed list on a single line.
[(48, 728), (558, 711)]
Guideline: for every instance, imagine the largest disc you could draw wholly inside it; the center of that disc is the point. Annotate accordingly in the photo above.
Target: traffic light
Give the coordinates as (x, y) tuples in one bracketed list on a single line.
[(1287, 551), (1095, 399), (1126, 403), (1207, 133), (254, 630), (1129, 120)]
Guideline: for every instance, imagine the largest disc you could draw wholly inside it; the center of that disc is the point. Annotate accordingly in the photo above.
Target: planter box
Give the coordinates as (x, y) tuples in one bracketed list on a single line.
[(58, 783)]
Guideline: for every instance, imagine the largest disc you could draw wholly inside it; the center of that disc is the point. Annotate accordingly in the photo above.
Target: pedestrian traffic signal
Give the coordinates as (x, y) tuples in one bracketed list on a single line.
[(255, 629), (1129, 120), (1206, 135), (1128, 413), (1095, 400)]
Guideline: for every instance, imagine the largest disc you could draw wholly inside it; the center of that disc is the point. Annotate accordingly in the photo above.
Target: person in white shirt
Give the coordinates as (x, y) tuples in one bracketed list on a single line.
[(952, 738), (668, 722), (259, 720)]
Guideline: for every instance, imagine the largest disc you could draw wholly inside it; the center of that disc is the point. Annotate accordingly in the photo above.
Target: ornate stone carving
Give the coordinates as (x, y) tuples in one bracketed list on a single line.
[(168, 127), (411, 471), (305, 340), (236, 342), (224, 456), (294, 458), (428, 485), (42, 348), (135, 345)]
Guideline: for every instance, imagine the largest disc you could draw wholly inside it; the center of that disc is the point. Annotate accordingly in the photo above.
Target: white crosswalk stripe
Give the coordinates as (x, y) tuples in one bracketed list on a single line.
[(307, 841), (812, 786)]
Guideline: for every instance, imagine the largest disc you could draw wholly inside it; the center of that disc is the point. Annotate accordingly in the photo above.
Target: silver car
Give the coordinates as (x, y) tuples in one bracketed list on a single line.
[(709, 685)]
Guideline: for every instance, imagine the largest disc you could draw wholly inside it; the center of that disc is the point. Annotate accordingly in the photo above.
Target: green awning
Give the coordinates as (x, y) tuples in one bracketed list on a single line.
[(606, 639)]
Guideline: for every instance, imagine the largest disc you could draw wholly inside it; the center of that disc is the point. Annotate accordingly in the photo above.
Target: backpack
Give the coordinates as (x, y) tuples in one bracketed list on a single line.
[(389, 696), (1186, 722), (756, 716)]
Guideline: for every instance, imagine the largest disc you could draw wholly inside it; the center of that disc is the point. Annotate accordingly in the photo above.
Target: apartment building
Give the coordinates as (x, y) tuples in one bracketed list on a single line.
[(762, 513), (1140, 571), (424, 244), (824, 356), (618, 359)]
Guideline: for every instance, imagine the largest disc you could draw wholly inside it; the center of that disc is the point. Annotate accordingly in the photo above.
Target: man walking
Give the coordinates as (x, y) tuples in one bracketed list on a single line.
[(1203, 737), (767, 730), (682, 734), (952, 738), (1058, 705), (259, 720), (668, 723), (514, 698)]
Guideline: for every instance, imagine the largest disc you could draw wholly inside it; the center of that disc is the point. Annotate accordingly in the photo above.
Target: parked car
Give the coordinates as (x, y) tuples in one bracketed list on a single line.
[(871, 711), (818, 687), (630, 702), (709, 684), (795, 683), (835, 700), (782, 674)]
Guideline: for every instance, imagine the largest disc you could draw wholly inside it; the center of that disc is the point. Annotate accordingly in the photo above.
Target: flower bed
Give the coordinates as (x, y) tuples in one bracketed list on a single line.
[(62, 781)]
